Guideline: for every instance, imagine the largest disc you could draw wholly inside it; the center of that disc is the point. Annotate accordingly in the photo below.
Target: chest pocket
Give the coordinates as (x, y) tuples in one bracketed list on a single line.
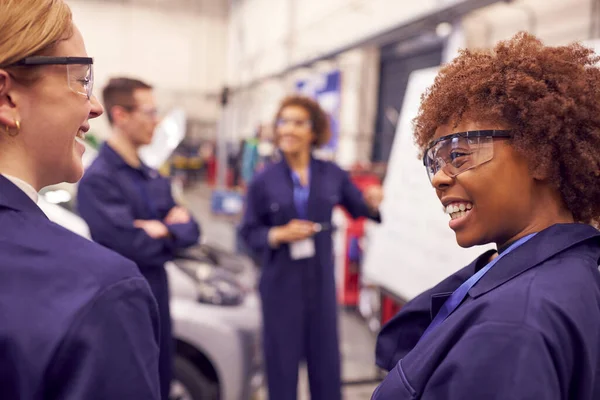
[(279, 210), (395, 386), (332, 199), (329, 192), (328, 197)]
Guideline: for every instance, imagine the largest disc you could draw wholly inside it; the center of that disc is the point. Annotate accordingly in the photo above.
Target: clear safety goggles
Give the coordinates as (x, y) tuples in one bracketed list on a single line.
[(149, 112), (80, 71), (296, 123), (460, 152)]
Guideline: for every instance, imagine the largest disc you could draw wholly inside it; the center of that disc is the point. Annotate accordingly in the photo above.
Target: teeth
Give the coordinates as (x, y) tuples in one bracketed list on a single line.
[(454, 208), (458, 210), (459, 214)]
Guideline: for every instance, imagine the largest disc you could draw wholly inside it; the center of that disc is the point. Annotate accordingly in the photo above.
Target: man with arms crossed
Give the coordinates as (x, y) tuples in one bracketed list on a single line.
[(129, 206)]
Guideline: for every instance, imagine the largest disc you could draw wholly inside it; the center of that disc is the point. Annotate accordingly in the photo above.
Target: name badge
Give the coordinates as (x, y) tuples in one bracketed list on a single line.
[(302, 249)]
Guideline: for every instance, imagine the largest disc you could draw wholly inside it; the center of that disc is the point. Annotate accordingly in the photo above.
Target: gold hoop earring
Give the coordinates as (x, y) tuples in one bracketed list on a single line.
[(17, 125)]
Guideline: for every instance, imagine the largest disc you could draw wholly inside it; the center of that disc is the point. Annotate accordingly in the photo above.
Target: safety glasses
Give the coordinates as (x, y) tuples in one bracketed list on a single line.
[(296, 123), (148, 112), (460, 152), (80, 72)]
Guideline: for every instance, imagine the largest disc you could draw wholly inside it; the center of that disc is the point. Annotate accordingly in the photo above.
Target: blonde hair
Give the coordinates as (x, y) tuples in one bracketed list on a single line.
[(31, 27)]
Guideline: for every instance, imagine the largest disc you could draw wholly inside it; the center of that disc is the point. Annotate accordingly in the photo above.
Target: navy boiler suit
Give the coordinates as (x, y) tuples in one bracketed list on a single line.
[(77, 321), (111, 195), (298, 296), (529, 329)]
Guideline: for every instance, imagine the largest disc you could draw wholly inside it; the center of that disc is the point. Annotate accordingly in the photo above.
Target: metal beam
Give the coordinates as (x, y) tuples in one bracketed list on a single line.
[(402, 31)]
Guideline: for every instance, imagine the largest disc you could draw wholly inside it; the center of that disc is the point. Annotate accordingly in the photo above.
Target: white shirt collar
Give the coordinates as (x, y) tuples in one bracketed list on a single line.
[(24, 186)]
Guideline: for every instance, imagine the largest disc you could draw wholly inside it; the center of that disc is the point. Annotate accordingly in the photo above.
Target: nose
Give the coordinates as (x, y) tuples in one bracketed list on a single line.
[(441, 180), (285, 128), (97, 109)]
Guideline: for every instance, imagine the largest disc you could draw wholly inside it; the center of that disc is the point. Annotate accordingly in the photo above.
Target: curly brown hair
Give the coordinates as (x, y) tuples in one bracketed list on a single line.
[(318, 117), (548, 96)]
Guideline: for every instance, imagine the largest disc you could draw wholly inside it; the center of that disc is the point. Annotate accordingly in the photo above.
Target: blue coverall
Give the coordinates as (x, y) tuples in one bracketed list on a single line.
[(77, 321), (298, 296), (529, 329), (111, 195)]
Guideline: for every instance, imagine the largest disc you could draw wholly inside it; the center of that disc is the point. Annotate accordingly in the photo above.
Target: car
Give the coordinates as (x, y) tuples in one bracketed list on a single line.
[(215, 311)]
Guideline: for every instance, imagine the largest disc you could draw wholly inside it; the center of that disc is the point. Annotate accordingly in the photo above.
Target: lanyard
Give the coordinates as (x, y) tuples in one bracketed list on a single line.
[(459, 294), (301, 194)]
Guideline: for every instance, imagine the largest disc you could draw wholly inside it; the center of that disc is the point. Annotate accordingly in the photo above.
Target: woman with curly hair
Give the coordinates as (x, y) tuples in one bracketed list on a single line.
[(511, 144), (287, 224)]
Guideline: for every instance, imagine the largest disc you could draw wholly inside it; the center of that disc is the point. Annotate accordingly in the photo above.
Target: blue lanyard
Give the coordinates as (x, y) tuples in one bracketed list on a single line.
[(301, 194), (459, 294)]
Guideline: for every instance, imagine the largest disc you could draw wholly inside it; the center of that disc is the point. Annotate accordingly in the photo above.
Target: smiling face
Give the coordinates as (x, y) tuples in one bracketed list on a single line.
[(294, 131), (138, 123), (52, 112), (494, 201)]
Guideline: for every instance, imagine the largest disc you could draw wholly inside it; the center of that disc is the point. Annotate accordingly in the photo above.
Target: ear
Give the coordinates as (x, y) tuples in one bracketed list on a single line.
[(315, 138), (8, 109), (117, 113), (540, 173)]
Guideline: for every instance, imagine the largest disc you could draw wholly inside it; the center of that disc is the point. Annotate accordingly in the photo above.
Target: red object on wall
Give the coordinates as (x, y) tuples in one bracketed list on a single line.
[(389, 308), (350, 286), (212, 170), (211, 167)]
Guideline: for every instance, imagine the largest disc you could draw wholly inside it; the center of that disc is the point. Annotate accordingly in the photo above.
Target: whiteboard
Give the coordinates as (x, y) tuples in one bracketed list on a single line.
[(413, 248)]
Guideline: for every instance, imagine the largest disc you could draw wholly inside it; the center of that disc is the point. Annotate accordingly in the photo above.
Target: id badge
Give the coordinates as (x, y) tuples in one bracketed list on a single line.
[(302, 249)]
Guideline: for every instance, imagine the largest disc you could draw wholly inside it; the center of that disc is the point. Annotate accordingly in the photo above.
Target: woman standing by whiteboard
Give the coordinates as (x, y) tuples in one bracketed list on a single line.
[(511, 143), (287, 222)]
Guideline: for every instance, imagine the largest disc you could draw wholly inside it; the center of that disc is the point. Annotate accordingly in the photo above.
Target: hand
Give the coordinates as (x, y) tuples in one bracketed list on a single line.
[(374, 196), (178, 215), (154, 229), (294, 231)]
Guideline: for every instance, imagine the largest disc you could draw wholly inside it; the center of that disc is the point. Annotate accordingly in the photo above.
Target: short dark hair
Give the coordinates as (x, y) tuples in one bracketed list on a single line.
[(318, 117), (119, 92)]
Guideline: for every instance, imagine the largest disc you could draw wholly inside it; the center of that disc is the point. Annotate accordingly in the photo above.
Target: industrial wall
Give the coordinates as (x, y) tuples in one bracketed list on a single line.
[(190, 49), (267, 36), (180, 50), (273, 34), (556, 22)]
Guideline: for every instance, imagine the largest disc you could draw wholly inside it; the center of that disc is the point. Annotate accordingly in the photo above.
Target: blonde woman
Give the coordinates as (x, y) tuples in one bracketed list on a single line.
[(77, 321)]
